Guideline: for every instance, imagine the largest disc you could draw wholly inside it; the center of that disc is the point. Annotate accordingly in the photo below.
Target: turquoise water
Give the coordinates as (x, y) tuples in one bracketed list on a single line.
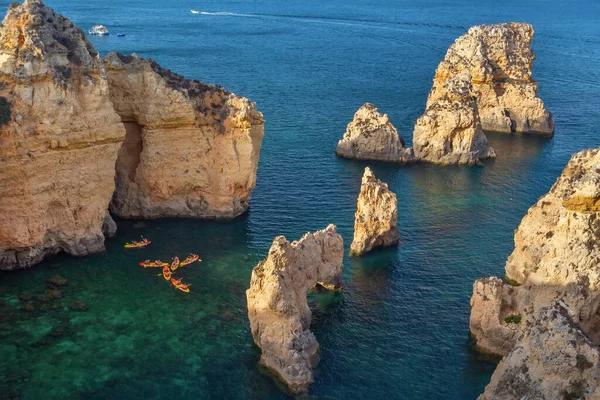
[(400, 329)]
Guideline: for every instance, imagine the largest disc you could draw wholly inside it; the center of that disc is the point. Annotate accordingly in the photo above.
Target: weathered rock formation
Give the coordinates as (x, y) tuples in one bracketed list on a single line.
[(376, 219), (556, 256), (191, 150), (499, 60), (553, 360), (371, 136), (59, 139), (449, 132), (277, 306)]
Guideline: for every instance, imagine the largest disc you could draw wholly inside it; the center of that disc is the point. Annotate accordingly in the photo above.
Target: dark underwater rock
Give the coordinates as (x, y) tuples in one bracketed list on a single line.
[(58, 281), (78, 306)]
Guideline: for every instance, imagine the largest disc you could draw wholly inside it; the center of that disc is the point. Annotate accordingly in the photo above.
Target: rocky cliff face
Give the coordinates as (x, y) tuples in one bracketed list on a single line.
[(499, 60), (191, 150), (450, 131), (371, 136), (376, 219), (59, 139), (277, 307), (556, 255), (553, 360)]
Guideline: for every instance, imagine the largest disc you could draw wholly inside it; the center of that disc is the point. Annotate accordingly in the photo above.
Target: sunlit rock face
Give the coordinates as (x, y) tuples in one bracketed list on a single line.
[(371, 136), (500, 60), (556, 255), (552, 360), (59, 139), (376, 218), (450, 132), (277, 307), (191, 150)]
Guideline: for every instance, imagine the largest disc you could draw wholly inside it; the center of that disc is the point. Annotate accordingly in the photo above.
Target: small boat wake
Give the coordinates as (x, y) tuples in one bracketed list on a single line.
[(225, 13)]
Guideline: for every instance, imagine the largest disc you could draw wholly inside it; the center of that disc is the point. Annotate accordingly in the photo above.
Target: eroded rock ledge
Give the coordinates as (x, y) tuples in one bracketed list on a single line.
[(59, 139), (371, 136), (277, 307), (553, 360), (191, 150), (450, 130), (376, 219), (499, 59)]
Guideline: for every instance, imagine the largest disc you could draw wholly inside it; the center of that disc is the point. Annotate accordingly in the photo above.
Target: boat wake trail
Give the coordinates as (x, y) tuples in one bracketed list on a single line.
[(329, 20)]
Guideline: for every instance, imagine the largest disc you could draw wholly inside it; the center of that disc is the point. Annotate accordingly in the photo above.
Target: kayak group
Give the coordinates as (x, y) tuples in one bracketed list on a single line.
[(167, 269)]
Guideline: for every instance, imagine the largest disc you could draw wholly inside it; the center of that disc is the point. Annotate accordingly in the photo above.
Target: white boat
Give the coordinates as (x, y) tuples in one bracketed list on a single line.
[(98, 30), (195, 12)]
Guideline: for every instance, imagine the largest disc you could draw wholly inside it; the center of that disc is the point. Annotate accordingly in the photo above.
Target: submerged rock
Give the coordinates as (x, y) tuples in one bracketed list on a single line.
[(376, 219), (553, 360), (450, 130), (191, 149), (371, 136), (557, 248), (277, 307), (499, 60), (78, 305), (60, 138), (57, 281)]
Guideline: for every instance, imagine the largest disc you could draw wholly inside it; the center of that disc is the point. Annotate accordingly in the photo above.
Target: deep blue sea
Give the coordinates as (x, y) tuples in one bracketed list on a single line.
[(400, 328)]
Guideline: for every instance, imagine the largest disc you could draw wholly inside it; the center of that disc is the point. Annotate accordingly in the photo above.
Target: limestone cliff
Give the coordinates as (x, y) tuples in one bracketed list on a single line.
[(376, 219), (277, 307), (59, 138), (556, 256), (371, 136), (499, 59), (449, 132), (553, 360), (191, 150)]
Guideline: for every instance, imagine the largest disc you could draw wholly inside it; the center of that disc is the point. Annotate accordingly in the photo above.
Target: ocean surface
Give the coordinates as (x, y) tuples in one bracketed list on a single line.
[(400, 329)]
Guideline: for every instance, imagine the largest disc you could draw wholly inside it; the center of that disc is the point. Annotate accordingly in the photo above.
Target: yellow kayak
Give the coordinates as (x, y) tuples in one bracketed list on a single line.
[(190, 259)]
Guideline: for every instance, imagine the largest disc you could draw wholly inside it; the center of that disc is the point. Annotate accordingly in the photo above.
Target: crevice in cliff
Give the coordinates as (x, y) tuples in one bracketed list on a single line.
[(128, 161)]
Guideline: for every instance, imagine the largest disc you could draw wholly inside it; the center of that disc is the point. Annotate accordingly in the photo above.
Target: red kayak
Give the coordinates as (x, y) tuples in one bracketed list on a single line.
[(166, 273)]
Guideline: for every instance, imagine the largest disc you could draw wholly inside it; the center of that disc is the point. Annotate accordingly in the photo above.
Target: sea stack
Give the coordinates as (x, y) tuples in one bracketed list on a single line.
[(371, 136), (557, 248), (499, 59), (59, 139), (376, 219), (277, 307), (553, 360), (449, 132), (191, 149)]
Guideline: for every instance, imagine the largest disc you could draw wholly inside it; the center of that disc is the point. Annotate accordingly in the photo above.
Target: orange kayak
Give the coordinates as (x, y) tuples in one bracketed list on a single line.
[(166, 273), (179, 285), (190, 259), (175, 263), (155, 264), (136, 245)]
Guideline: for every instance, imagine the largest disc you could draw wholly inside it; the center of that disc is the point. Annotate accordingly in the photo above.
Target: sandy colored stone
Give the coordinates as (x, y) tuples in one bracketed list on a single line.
[(191, 149), (376, 218), (371, 136), (553, 360), (556, 256), (499, 59), (449, 132), (58, 151), (277, 307)]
